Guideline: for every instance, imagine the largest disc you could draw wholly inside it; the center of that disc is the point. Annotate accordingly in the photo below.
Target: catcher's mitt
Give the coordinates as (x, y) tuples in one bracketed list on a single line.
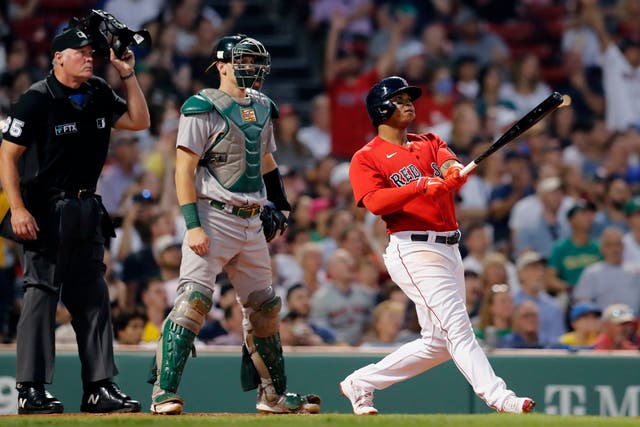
[(272, 221)]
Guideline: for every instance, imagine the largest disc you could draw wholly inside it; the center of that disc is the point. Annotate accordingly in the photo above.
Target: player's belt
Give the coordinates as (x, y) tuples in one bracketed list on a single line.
[(450, 239), (241, 211)]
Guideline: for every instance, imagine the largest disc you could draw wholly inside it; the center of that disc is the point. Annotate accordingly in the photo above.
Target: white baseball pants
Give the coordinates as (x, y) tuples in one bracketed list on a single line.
[(432, 276)]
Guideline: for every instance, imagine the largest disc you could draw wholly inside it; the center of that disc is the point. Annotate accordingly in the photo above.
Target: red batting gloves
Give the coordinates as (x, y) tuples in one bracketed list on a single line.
[(453, 179), (431, 186)]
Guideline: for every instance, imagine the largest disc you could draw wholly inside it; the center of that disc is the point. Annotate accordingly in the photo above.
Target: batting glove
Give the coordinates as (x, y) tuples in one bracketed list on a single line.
[(453, 179), (431, 186)]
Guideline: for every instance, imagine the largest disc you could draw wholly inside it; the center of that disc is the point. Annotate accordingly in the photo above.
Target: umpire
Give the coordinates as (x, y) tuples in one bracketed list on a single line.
[(54, 146)]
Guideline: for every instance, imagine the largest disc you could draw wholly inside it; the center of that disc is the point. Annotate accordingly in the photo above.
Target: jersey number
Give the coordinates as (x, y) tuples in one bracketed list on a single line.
[(13, 126)]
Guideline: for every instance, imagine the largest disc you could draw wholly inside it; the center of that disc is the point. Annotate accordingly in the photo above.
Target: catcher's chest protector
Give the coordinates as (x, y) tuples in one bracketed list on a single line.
[(235, 157)]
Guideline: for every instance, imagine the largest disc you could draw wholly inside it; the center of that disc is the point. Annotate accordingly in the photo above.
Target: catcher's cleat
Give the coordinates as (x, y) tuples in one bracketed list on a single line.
[(167, 403), (361, 399), (518, 405), (288, 403)]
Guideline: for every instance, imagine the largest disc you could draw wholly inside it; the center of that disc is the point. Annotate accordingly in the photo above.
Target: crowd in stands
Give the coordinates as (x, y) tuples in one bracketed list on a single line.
[(550, 224)]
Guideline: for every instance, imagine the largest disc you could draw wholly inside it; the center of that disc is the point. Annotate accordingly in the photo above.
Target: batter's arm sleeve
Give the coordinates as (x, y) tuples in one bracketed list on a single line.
[(371, 190)]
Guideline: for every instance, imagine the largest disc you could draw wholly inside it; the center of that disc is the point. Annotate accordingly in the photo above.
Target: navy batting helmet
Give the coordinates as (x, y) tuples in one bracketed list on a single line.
[(378, 105)]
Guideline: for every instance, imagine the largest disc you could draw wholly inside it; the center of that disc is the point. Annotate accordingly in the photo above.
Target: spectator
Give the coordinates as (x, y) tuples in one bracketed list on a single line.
[(386, 325), (341, 304), (585, 326), (291, 151), (122, 172), (484, 46), (518, 184), (536, 221), (232, 324), (527, 89), (617, 194), (617, 322), (524, 328), (609, 281), (631, 239), (298, 300), (156, 305), (295, 330), (496, 313), (435, 108), (167, 254), (570, 256), (531, 270), (309, 257), (473, 293), (317, 136), (347, 85), (128, 327), (620, 87)]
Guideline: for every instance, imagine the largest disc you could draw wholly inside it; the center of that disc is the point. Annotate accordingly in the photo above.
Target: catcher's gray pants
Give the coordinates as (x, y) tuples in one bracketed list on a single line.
[(237, 245), (75, 274)]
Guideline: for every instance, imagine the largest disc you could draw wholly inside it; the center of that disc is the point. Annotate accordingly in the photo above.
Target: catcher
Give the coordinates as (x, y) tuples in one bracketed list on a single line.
[(225, 173)]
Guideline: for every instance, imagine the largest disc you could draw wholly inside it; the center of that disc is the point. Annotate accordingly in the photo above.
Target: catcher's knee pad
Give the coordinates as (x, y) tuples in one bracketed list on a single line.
[(262, 353), (265, 312), (179, 332), (191, 307)]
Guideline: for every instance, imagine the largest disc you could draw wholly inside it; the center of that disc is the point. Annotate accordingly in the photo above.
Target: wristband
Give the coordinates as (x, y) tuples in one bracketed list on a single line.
[(128, 76), (190, 214)]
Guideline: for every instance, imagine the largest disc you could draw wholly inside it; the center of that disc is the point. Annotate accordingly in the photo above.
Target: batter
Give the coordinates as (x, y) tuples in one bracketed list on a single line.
[(409, 180)]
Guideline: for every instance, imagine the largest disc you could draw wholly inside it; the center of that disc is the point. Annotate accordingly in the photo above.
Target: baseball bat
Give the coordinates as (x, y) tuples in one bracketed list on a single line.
[(553, 101)]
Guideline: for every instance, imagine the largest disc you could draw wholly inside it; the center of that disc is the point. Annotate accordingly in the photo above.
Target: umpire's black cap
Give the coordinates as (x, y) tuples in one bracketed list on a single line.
[(70, 38)]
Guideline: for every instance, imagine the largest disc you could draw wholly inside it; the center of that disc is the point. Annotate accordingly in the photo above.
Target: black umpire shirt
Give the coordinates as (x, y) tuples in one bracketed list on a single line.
[(66, 132)]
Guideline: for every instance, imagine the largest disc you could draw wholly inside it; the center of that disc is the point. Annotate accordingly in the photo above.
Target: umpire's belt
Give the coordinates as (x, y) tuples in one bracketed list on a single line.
[(73, 194), (435, 237), (241, 211)]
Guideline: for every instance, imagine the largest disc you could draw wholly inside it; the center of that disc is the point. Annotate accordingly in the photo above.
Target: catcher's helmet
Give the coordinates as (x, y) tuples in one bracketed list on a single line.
[(378, 105), (233, 49)]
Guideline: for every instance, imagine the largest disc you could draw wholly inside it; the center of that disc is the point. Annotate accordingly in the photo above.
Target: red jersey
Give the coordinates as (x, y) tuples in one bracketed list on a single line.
[(350, 124), (381, 164)]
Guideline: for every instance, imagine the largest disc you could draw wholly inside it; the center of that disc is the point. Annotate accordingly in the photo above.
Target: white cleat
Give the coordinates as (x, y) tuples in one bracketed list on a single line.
[(518, 405), (167, 403), (361, 400), (288, 403)]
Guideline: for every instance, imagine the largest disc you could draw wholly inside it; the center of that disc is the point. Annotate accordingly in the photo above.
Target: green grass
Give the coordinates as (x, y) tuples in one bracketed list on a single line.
[(328, 420)]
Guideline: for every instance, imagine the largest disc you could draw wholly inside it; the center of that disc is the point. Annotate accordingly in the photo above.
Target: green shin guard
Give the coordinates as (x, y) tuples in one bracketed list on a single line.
[(249, 376), (270, 350), (176, 347)]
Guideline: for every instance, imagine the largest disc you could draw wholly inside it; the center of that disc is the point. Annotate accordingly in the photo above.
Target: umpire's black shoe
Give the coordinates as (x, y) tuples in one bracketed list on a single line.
[(34, 399), (106, 397)]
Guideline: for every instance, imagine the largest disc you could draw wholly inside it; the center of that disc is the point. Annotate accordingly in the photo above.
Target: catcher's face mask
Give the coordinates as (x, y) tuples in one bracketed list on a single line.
[(251, 63)]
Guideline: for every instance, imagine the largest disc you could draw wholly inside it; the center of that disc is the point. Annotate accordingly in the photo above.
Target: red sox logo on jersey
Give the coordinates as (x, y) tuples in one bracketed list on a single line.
[(411, 173)]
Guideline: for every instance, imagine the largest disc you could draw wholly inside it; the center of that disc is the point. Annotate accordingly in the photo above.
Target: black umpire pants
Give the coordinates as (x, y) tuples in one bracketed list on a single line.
[(66, 262)]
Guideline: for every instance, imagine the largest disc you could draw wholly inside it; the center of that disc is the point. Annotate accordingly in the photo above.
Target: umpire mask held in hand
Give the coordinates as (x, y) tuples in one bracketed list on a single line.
[(107, 32)]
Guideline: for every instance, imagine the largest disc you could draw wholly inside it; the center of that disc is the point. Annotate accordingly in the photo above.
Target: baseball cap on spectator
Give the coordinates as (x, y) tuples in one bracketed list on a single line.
[(618, 313), (528, 258), (70, 38), (583, 308), (515, 155), (409, 50), (120, 137), (632, 206), (339, 174), (163, 243), (548, 184), (580, 206)]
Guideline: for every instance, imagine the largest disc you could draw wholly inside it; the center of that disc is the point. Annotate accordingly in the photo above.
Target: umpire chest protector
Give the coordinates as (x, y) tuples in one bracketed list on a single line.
[(235, 156)]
